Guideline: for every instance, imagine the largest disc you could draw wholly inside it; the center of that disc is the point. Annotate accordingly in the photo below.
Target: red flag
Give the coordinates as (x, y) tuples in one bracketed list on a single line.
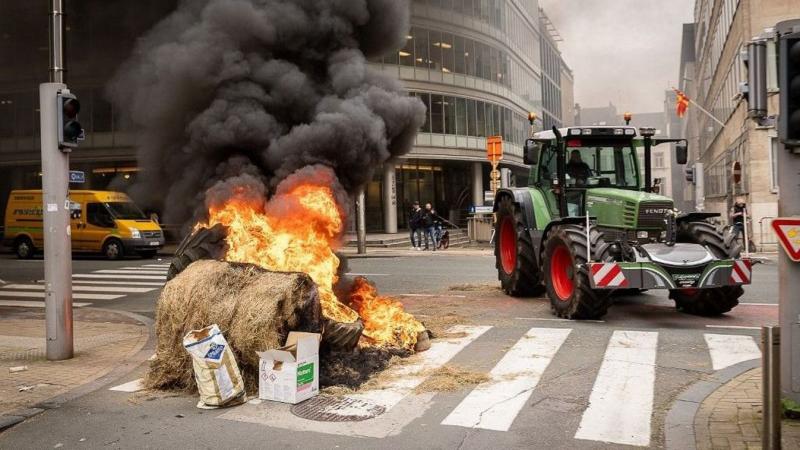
[(681, 103)]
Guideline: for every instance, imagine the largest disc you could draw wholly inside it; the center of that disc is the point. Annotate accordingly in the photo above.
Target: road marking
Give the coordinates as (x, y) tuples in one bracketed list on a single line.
[(406, 377), (775, 305), (85, 288), (116, 283), (131, 386), (74, 295), (154, 269), (495, 404), (729, 349), (621, 402), (352, 274), (131, 272), (156, 265), (432, 295), (119, 277), (733, 327), (554, 319), (33, 304)]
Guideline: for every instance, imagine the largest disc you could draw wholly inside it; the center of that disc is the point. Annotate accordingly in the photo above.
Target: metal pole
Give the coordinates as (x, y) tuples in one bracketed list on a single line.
[(746, 235), (700, 187), (57, 239), (361, 223), (389, 199), (57, 41), (771, 388)]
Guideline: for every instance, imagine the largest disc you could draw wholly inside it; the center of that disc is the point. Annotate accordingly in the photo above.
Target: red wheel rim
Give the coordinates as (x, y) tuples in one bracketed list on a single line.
[(691, 292), (561, 273), (508, 245)]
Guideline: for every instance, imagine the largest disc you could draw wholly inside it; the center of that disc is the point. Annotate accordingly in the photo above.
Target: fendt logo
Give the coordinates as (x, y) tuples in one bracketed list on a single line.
[(660, 211)]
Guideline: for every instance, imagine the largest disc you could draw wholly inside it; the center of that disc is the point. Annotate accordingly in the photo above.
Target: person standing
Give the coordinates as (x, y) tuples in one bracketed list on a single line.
[(737, 216), (414, 224), (428, 216)]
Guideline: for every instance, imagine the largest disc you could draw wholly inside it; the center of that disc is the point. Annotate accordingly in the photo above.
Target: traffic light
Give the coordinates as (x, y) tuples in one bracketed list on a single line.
[(789, 80), (691, 174), (754, 90), (69, 129)]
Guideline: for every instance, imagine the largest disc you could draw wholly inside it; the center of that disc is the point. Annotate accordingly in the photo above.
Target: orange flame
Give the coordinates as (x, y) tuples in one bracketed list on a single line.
[(298, 231), (384, 318)]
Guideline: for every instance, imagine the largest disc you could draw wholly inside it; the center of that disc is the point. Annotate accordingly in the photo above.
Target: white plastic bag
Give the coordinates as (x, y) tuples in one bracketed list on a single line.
[(215, 370)]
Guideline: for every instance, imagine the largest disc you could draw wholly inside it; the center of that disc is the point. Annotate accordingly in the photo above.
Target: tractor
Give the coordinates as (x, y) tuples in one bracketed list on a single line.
[(588, 228)]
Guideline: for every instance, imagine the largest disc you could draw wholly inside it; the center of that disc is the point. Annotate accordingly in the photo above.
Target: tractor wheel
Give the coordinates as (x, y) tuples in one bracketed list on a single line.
[(516, 264), (714, 301), (205, 243), (567, 280)]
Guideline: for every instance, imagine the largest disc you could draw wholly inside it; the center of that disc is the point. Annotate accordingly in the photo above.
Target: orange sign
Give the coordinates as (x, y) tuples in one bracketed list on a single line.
[(494, 148)]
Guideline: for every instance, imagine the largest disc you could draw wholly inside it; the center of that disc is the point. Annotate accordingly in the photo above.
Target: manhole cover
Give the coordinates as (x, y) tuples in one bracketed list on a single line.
[(335, 409)]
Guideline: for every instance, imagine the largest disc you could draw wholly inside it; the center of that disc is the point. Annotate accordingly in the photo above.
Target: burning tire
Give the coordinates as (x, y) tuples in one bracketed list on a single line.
[(340, 335), (516, 264), (715, 301), (205, 243), (567, 279)]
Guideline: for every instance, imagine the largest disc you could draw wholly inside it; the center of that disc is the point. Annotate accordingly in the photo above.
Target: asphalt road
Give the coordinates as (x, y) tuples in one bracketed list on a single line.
[(564, 384)]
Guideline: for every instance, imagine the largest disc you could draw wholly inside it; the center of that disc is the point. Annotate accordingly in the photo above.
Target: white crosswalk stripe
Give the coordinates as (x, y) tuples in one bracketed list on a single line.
[(154, 269), (78, 296), (131, 272), (35, 304), (495, 404), (122, 289), (157, 265), (727, 349), (119, 277), (80, 282), (131, 386), (621, 402)]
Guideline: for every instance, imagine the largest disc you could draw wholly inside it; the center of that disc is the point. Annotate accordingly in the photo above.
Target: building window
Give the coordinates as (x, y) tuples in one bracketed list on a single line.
[(450, 116), (437, 114), (421, 48), (472, 127), (426, 100), (658, 160)]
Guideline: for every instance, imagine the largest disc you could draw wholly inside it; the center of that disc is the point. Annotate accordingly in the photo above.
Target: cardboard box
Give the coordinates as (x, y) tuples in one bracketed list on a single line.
[(290, 374)]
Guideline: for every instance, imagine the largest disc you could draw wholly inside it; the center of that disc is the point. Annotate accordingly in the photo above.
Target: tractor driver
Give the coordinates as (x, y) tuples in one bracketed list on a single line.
[(577, 169)]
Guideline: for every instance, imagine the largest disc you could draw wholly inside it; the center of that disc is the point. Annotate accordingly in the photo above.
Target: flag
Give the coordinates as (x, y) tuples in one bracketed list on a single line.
[(681, 103)]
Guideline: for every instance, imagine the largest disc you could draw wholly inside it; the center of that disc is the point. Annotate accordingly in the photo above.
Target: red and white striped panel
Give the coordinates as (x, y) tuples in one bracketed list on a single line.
[(742, 271), (606, 275)]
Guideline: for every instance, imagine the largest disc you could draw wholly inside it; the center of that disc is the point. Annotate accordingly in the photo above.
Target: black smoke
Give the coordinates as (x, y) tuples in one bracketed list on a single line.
[(255, 90)]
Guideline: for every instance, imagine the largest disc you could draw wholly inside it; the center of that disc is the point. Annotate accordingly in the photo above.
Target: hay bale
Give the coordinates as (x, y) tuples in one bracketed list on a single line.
[(254, 308)]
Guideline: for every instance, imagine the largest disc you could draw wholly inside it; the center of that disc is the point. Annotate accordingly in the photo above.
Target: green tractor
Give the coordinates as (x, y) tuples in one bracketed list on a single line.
[(587, 227)]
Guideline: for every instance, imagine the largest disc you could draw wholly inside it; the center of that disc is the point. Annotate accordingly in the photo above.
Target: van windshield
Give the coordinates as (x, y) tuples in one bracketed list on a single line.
[(125, 211)]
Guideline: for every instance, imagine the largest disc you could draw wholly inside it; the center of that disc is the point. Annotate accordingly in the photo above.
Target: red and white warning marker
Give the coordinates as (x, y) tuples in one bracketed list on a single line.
[(742, 271), (606, 275), (788, 231)]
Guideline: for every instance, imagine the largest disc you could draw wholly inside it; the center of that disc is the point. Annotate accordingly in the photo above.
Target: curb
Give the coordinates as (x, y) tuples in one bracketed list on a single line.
[(17, 416), (679, 423)]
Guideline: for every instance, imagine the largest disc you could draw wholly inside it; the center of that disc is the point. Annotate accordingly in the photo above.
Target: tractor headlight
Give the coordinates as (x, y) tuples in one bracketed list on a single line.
[(135, 234), (642, 235)]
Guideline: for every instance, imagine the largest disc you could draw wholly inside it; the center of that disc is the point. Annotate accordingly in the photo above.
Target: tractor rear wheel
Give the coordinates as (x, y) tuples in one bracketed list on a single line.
[(567, 278), (714, 301), (516, 264)]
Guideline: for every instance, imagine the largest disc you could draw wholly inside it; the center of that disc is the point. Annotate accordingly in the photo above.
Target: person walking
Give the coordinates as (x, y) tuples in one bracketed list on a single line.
[(428, 218), (415, 225), (737, 217)]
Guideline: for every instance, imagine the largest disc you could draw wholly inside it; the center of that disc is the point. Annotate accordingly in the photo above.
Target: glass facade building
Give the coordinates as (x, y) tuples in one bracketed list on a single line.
[(478, 65)]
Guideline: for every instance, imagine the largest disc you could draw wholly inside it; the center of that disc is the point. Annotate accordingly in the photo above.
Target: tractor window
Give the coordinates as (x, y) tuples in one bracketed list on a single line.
[(602, 164)]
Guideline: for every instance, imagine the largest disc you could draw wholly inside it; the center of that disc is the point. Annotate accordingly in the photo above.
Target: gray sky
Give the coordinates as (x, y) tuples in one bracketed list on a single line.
[(623, 51)]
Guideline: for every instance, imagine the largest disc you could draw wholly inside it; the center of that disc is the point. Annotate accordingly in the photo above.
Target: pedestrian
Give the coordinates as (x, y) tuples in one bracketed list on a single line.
[(415, 225), (428, 219), (737, 214)]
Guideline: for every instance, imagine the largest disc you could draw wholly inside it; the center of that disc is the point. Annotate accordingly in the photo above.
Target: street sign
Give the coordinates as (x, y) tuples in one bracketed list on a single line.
[(736, 170), (494, 148), (788, 231), (77, 177)]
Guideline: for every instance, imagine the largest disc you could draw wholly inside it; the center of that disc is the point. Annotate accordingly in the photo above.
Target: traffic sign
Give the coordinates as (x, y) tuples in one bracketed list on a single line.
[(737, 172), (788, 231), (77, 177), (494, 148)]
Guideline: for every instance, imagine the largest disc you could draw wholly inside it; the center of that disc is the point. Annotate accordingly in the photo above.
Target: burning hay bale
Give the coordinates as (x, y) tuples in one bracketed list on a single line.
[(253, 307)]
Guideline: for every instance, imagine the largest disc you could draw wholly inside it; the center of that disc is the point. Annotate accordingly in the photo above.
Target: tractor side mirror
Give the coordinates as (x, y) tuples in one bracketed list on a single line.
[(682, 152), (531, 151)]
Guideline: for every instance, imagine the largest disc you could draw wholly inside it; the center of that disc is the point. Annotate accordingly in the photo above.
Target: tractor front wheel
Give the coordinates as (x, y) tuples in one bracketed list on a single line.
[(567, 278), (516, 264)]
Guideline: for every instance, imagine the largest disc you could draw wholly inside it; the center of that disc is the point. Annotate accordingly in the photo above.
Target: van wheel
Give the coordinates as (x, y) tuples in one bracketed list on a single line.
[(24, 248), (113, 249)]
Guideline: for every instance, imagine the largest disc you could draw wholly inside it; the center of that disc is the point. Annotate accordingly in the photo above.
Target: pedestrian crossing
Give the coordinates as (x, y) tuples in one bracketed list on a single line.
[(99, 285), (617, 405)]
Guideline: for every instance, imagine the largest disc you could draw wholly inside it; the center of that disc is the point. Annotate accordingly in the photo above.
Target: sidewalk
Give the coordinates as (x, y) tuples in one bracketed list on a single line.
[(730, 418), (105, 342)]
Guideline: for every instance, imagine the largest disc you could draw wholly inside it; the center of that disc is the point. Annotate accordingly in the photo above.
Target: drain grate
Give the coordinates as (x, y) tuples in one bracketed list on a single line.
[(325, 408)]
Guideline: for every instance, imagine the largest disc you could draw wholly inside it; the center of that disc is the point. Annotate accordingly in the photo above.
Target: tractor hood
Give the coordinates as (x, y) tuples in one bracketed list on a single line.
[(622, 208)]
